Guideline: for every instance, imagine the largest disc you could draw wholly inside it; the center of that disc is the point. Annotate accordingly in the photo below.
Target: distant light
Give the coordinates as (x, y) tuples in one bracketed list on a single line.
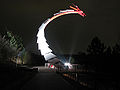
[(68, 65), (52, 66)]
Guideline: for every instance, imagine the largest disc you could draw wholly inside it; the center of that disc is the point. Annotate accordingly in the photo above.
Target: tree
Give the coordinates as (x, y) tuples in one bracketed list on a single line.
[(6, 51), (108, 51), (116, 50), (15, 41), (11, 46), (96, 47)]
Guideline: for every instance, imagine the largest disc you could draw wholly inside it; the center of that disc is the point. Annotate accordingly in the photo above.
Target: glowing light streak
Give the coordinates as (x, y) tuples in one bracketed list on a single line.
[(42, 44)]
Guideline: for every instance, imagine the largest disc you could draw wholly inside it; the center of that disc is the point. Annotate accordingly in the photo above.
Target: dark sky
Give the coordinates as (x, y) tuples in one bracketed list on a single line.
[(66, 34)]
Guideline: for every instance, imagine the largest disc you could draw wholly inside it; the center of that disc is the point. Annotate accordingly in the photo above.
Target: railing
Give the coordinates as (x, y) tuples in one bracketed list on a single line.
[(90, 79)]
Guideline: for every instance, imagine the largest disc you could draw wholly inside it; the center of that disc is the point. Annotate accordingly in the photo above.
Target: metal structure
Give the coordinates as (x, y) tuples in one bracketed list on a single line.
[(41, 40)]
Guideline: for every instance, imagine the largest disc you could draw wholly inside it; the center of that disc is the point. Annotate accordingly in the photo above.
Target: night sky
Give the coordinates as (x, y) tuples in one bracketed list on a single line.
[(66, 34)]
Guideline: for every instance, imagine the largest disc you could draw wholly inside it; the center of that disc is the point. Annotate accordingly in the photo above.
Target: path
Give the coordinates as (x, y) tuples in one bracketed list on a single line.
[(47, 81)]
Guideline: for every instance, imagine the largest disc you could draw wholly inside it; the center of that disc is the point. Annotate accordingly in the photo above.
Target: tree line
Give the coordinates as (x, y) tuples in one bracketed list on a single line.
[(98, 48), (13, 50), (11, 47), (103, 58)]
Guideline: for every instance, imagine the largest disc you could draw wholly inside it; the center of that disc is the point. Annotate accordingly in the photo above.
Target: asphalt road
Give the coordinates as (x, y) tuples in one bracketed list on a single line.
[(47, 81)]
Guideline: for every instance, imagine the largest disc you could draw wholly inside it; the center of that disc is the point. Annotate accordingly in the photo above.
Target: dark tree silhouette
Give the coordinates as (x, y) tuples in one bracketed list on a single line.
[(36, 59), (116, 50), (96, 47), (108, 51)]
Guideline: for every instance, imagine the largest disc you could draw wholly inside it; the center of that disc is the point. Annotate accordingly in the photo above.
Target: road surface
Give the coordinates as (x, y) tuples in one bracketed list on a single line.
[(47, 81)]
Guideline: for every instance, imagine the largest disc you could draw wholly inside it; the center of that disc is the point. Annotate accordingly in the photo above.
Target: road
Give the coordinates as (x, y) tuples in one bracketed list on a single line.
[(47, 81)]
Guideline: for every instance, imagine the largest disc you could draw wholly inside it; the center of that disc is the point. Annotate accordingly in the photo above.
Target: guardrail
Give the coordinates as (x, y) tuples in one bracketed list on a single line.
[(90, 80)]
